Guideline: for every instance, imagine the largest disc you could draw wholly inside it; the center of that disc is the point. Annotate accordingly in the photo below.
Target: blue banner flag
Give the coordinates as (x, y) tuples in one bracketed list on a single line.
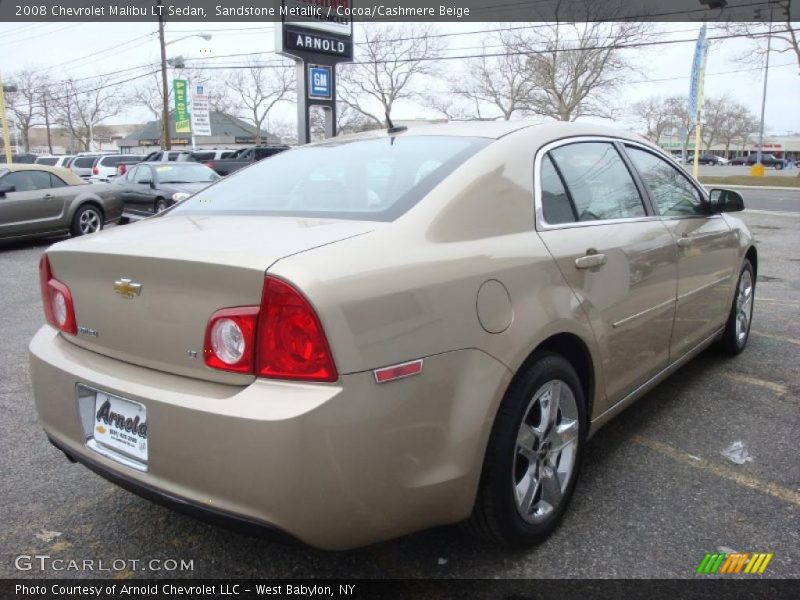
[(697, 63)]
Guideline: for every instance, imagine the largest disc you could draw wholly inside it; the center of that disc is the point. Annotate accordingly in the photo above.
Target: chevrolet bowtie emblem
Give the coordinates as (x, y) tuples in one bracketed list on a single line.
[(127, 288)]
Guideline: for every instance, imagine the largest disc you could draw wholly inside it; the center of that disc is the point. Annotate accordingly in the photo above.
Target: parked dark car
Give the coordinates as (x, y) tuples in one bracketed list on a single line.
[(243, 158), (149, 188), (23, 159), (708, 159), (768, 160)]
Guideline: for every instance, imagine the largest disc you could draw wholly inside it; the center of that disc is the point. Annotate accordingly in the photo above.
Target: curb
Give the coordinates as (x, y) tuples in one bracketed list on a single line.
[(753, 187)]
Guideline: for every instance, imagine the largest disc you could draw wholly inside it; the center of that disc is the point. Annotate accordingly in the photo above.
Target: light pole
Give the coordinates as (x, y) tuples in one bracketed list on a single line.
[(4, 118), (165, 128), (757, 170)]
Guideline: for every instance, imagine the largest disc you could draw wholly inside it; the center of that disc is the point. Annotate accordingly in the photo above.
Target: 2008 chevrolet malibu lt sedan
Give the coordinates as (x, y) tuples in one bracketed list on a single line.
[(376, 334)]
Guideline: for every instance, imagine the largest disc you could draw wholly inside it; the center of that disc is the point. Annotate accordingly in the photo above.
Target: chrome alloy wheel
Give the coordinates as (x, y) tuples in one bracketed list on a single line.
[(744, 306), (89, 221), (547, 444)]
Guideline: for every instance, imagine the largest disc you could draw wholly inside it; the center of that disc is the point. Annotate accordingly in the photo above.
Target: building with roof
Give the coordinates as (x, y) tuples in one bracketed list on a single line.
[(227, 131)]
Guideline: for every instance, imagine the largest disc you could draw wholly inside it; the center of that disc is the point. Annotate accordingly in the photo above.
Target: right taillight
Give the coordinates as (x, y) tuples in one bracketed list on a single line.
[(281, 339), (56, 299), (95, 171), (121, 170)]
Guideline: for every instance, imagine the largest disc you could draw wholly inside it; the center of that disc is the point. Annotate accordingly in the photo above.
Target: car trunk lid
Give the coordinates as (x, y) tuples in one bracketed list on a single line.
[(186, 268)]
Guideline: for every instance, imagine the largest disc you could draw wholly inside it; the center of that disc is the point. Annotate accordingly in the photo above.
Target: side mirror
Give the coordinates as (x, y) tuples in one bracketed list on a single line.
[(725, 201), (7, 189)]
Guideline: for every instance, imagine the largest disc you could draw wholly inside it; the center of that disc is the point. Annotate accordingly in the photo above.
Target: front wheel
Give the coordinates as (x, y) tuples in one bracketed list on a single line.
[(88, 219), (161, 206), (737, 329), (533, 456)]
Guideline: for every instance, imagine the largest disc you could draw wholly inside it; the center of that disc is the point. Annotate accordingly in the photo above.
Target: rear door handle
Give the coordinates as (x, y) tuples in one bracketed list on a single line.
[(590, 260), (684, 241)]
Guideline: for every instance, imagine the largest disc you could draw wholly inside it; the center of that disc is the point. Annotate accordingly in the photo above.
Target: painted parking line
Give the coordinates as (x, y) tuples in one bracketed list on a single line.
[(773, 386), (778, 338), (720, 470), (777, 301)]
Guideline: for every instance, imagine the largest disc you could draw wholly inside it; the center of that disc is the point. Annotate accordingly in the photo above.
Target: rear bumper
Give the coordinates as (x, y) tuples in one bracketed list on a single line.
[(334, 465)]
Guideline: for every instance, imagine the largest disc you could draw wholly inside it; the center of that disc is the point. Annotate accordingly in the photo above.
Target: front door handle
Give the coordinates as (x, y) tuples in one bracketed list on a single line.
[(48, 195), (684, 241), (590, 260)]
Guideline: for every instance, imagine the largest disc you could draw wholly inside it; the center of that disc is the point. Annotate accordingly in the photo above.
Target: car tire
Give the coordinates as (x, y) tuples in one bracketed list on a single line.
[(527, 482), (160, 206), (737, 329), (88, 219)]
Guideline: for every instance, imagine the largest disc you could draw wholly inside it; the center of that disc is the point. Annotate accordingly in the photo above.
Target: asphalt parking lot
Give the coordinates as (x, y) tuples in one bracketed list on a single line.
[(655, 493)]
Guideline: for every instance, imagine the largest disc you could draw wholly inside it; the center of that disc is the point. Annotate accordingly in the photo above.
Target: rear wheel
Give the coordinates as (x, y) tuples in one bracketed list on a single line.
[(88, 219), (737, 329), (160, 206), (533, 456)]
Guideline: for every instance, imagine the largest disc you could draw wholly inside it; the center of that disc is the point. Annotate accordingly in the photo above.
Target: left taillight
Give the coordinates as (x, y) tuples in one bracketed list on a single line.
[(280, 339), (56, 299)]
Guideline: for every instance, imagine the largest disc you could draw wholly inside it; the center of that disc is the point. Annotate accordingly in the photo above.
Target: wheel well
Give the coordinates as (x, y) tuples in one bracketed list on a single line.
[(572, 348), (752, 256), (93, 203)]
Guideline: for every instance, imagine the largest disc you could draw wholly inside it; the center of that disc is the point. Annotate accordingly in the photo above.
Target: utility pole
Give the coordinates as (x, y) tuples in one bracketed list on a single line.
[(758, 168), (47, 122), (4, 120), (165, 128)]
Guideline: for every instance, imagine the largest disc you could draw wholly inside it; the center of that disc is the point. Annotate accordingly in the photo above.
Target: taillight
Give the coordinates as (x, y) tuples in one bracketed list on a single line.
[(57, 300), (95, 171), (210, 164), (230, 339), (122, 169), (291, 341), (281, 339)]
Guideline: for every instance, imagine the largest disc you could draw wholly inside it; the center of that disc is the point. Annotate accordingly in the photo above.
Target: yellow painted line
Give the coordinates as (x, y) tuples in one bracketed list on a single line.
[(721, 470), (779, 338), (778, 388), (776, 301)]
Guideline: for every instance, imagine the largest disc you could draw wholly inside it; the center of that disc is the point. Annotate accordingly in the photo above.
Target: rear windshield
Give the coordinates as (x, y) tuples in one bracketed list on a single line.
[(374, 179), (84, 162), (113, 161)]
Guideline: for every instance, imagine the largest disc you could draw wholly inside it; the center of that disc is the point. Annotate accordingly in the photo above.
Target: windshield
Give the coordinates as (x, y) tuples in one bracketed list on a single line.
[(374, 179), (185, 173)]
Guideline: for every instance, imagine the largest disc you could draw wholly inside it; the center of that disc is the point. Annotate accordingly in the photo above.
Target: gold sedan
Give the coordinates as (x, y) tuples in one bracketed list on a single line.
[(372, 335)]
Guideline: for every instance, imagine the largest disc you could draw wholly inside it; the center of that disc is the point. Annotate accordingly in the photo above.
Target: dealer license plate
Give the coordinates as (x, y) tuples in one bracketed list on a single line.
[(121, 425)]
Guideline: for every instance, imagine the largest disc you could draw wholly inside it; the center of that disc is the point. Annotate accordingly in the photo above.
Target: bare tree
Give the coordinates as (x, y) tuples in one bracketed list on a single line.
[(26, 102), (259, 89), (497, 81), (657, 115), (81, 108), (576, 67), (390, 60), (148, 92), (683, 120), (716, 117), (785, 33)]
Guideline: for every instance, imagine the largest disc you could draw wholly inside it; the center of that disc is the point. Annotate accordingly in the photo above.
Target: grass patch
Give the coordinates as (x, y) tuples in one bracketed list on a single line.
[(766, 181)]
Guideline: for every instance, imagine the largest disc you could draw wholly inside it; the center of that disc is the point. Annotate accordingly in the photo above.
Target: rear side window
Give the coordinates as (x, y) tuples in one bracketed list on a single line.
[(113, 161), (56, 181), (199, 156), (598, 181), (556, 204), (373, 179), (84, 162), (671, 192)]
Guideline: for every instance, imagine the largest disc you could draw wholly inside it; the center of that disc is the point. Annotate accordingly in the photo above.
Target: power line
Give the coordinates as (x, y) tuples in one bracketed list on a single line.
[(33, 37)]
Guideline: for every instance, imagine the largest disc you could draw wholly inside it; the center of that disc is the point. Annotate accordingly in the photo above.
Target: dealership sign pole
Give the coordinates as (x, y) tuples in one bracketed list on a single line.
[(318, 36)]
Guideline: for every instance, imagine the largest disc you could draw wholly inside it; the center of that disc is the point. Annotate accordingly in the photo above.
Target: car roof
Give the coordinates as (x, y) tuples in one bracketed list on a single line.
[(63, 173), (542, 131)]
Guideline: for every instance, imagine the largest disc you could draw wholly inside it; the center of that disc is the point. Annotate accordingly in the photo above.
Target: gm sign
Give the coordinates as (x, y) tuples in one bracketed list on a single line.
[(320, 84)]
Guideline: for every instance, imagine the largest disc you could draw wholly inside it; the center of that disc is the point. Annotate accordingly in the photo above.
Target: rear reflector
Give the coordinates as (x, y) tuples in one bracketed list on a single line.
[(398, 371)]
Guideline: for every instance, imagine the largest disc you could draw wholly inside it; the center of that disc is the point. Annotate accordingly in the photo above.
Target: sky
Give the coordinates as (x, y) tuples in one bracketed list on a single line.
[(80, 50)]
